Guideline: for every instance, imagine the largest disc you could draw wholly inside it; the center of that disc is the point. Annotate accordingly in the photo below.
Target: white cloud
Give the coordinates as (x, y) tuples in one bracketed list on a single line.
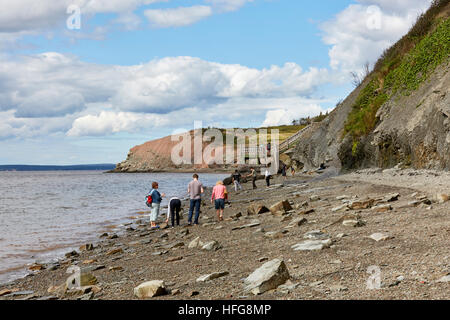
[(284, 116), (177, 17), (228, 5), (108, 122), (37, 16), (361, 33), (53, 85)]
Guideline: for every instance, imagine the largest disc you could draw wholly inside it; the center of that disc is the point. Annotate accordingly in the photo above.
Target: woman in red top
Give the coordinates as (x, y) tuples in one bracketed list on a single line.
[(218, 195)]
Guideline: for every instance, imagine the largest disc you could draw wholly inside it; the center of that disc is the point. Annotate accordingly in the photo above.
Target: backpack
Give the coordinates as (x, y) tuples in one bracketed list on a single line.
[(149, 200)]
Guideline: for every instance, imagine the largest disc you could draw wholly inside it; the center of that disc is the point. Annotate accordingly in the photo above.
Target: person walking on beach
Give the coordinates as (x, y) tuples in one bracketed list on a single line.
[(267, 175), (195, 190), (173, 211), (293, 171), (156, 204), (283, 171), (236, 178), (218, 195), (253, 175)]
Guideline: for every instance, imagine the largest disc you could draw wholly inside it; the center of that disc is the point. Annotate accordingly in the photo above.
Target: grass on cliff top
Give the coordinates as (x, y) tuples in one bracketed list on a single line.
[(285, 132), (402, 69)]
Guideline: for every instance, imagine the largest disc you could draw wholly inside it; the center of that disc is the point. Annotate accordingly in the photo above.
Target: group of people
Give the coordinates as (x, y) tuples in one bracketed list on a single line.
[(195, 189)]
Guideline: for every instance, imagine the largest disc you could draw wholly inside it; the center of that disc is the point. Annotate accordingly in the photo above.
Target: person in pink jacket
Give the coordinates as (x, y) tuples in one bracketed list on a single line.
[(218, 195)]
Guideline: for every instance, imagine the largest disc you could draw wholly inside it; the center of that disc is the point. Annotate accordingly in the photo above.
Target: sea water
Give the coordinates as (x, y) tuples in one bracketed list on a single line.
[(46, 214)]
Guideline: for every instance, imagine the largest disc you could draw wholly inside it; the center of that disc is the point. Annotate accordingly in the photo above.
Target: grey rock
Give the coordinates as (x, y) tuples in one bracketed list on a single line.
[(267, 277), (310, 245), (212, 276)]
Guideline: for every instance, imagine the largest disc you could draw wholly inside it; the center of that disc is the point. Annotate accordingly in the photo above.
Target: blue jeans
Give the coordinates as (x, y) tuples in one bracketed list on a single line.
[(194, 203)]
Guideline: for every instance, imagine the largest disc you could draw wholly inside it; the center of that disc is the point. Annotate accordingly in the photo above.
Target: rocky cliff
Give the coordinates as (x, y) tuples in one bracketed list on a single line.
[(399, 115)]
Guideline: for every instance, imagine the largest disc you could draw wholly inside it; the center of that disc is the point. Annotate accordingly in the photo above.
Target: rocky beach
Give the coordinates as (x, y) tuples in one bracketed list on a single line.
[(371, 234)]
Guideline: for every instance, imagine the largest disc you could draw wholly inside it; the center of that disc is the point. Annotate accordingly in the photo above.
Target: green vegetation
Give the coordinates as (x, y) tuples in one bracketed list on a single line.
[(421, 61), (285, 132), (402, 69)]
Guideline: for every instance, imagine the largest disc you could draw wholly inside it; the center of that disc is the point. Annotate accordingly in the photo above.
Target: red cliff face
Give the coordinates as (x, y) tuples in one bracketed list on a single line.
[(155, 155)]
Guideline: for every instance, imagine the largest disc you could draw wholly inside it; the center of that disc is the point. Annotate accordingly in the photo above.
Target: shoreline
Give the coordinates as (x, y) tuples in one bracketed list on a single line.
[(144, 255), (20, 272)]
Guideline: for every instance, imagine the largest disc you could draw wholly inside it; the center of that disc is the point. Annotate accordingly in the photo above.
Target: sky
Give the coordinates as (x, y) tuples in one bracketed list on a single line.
[(83, 81)]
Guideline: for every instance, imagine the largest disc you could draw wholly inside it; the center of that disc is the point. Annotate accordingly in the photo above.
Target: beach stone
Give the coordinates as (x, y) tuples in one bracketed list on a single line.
[(297, 222), (274, 234), (176, 245), (380, 236), (36, 267), (212, 276), (212, 245), (441, 198), (314, 197), (114, 251), (286, 218), (338, 288), (174, 259), (338, 208), (20, 293), (71, 254), (150, 289), (87, 247), (353, 223), (311, 245), (194, 243), (307, 211), (444, 278), (267, 277), (382, 208), (256, 209), (359, 205), (316, 235), (115, 268), (281, 207), (237, 215), (5, 292), (391, 197)]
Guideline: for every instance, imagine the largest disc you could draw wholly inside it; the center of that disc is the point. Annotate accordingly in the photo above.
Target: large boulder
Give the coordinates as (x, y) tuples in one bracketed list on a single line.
[(150, 289), (256, 208), (267, 277), (281, 207)]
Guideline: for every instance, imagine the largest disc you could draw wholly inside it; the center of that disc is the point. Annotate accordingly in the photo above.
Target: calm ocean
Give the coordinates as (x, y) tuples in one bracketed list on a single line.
[(45, 214)]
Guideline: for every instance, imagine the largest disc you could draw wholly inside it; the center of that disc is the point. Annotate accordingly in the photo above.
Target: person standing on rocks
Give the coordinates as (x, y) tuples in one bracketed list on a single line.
[(267, 175), (218, 195), (253, 175), (173, 210), (156, 204), (236, 178), (283, 171), (195, 190), (293, 171)]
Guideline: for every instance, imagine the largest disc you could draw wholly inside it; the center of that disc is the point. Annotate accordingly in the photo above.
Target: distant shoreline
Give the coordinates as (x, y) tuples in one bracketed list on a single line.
[(19, 167)]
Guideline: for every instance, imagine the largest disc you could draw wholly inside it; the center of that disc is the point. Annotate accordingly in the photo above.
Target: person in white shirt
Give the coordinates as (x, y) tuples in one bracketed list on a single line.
[(267, 175)]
